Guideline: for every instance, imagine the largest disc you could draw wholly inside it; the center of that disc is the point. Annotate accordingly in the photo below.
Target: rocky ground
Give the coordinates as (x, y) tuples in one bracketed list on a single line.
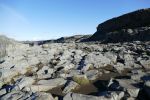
[(76, 71)]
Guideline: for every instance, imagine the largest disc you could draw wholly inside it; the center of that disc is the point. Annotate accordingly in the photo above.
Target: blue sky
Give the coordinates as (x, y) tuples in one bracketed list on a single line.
[(49, 19)]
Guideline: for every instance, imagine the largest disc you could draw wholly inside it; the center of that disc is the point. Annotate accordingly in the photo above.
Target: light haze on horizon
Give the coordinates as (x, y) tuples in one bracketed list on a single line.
[(51, 19)]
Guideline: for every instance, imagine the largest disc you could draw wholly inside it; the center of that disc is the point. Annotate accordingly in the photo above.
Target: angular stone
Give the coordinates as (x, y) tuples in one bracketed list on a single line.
[(97, 59), (8, 74), (2, 92), (52, 82), (43, 96), (74, 96), (45, 85), (125, 85), (92, 74), (87, 67), (129, 61), (14, 95), (70, 86), (111, 56), (26, 81), (145, 64), (69, 66), (46, 70)]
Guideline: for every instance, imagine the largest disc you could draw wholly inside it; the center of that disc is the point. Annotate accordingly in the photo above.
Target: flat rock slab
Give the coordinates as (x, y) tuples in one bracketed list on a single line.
[(74, 96), (46, 85)]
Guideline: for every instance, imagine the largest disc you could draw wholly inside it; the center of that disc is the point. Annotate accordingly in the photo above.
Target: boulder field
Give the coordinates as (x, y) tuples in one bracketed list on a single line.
[(76, 71)]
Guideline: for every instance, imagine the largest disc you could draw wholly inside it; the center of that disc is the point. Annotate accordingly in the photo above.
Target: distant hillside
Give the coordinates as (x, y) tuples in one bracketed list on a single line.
[(76, 38), (128, 27), (71, 39)]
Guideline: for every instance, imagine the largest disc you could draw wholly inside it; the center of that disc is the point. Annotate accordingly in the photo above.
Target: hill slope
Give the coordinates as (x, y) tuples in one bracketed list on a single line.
[(128, 27)]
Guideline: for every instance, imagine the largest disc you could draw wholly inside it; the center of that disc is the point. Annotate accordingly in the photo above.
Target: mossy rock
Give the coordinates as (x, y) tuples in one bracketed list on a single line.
[(81, 79)]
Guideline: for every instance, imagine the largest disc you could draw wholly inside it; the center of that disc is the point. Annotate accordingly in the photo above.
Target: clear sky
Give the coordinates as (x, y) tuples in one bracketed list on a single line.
[(49, 19)]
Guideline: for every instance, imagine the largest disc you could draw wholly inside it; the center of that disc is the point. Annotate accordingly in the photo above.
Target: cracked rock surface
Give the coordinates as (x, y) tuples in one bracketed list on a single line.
[(76, 71)]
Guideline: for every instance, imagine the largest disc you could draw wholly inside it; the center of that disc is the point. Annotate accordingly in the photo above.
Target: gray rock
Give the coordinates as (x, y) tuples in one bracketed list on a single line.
[(45, 85), (45, 70), (119, 67), (92, 74), (87, 67), (74, 96), (71, 73), (44, 76), (43, 96), (129, 61), (70, 86), (33, 61), (69, 66), (97, 59), (26, 81), (14, 95), (53, 82), (125, 85), (131, 98), (2, 92), (111, 56), (7, 74), (145, 63)]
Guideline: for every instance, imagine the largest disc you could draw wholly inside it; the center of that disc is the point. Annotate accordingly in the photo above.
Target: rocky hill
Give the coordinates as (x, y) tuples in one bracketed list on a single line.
[(72, 39), (129, 27), (69, 39)]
